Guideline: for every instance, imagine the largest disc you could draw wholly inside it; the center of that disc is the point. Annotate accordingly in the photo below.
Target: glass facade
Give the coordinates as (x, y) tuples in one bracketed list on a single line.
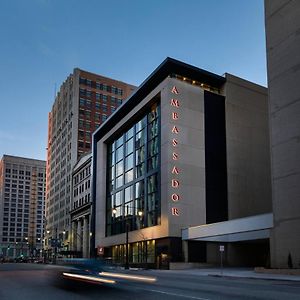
[(139, 252), (133, 195)]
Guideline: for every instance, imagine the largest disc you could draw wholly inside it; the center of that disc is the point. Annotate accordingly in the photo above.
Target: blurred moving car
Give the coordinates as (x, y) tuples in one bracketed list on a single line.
[(97, 271)]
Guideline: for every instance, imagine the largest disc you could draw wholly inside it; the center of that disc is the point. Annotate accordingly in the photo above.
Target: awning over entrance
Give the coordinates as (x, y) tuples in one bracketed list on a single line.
[(243, 229)]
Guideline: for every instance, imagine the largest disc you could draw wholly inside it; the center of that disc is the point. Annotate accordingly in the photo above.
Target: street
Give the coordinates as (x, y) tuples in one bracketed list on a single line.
[(34, 281)]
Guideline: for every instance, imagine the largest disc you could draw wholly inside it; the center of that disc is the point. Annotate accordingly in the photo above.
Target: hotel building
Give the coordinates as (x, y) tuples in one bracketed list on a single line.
[(22, 199), (183, 167), (83, 102)]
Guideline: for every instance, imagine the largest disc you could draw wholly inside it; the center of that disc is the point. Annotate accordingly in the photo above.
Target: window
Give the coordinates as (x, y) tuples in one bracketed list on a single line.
[(88, 93), (120, 92), (81, 102), (97, 106), (97, 117), (81, 134), (103, 117), (88, 104), (114, 90)]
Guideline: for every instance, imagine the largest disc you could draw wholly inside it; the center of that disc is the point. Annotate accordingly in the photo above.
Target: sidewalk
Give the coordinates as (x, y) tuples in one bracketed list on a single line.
[(232, 272)]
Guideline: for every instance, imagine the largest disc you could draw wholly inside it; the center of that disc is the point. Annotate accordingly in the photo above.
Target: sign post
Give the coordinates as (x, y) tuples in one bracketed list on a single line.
[(222, 249)]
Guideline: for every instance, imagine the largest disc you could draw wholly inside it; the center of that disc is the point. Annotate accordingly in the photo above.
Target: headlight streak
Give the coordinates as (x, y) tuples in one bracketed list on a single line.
[(126, 276), (89, 278)]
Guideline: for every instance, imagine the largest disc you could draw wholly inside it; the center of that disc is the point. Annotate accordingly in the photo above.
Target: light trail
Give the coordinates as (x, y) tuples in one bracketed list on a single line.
[(89, 278), (130, 277)]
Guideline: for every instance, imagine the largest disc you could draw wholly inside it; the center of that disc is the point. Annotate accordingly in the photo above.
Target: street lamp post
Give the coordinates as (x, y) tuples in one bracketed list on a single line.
[(47, 254), (127, 244), (55, 243)]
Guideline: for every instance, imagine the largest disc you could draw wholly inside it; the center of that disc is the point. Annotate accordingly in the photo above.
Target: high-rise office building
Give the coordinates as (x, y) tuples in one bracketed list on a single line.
[(84, 101), (22, 197), (283, 57)]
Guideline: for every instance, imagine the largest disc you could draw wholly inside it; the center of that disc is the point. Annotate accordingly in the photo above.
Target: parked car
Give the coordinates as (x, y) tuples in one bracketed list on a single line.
[(38, 261)]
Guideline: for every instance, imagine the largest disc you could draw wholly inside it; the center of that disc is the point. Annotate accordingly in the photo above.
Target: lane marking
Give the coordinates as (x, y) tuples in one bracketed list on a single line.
[(177, 295)]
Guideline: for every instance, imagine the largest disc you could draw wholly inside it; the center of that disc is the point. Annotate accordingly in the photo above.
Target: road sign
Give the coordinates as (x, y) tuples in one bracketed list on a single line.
[(100, 250), (222, 248)]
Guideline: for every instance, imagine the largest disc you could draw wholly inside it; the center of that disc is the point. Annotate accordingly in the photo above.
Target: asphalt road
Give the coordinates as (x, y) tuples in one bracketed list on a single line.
[(30, 281)]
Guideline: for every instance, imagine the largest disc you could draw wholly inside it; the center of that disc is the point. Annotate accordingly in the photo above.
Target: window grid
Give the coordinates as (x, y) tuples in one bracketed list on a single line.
[(132, 180)]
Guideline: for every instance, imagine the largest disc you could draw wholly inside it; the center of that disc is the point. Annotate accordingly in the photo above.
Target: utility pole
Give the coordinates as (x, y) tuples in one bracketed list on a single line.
[(55, 248)]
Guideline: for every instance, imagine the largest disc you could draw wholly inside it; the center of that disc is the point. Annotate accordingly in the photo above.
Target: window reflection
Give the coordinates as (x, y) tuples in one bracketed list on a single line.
[(139, 155), (119, 154), (129, 147), (129, 162), (119, 168), (140, 139), (129, 176)]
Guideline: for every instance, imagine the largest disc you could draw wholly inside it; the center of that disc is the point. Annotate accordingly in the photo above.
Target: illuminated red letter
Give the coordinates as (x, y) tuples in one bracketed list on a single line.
[(175, 184), (175, 197), (175, 130), (174, 90), (175, 116), (175, 170), (175, 102), (175, 156), (174, 142), (175, 211)]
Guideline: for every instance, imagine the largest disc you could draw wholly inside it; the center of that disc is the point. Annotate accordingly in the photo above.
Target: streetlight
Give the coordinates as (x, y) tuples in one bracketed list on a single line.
[(127, 225), (55, 244)]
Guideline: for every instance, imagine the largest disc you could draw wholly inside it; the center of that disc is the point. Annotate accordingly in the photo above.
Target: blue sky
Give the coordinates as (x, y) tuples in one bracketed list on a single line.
[(43, 40)]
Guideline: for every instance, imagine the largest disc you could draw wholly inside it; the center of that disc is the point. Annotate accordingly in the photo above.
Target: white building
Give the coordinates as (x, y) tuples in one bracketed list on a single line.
[(81, 207)]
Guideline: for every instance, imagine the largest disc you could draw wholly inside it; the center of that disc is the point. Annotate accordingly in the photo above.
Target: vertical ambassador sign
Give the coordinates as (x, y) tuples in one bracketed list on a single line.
[(175, 132)]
